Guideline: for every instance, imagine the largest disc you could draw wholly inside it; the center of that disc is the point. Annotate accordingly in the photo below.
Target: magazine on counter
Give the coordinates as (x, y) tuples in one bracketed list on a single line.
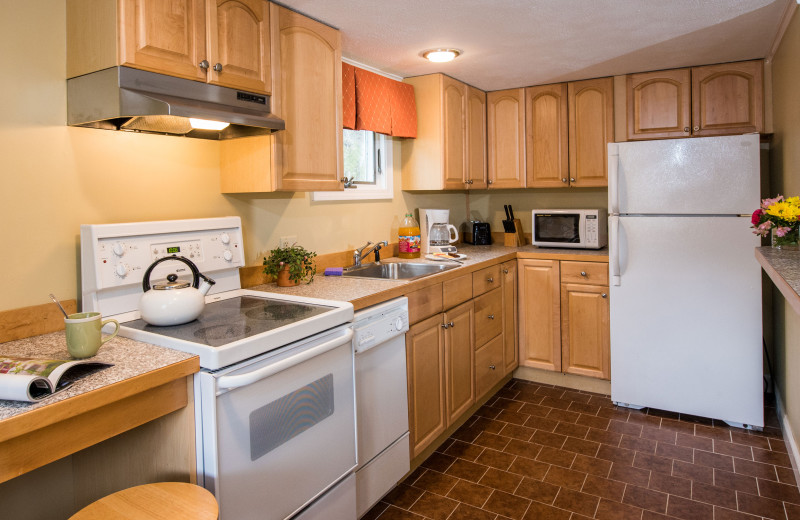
[(32, 379)]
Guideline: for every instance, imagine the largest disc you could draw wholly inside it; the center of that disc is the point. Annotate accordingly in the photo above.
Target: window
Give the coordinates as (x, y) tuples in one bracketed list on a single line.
[(367, 167)]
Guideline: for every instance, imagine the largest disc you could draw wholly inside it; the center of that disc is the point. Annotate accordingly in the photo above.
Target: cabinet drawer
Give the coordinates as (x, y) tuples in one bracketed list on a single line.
[(457, 291), (424, 303), (485, 280), (488, 316), (488, 366), (594, 273)]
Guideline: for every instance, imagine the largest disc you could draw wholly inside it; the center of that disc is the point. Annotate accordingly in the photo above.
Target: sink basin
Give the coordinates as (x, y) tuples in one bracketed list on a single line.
[(397, 271)]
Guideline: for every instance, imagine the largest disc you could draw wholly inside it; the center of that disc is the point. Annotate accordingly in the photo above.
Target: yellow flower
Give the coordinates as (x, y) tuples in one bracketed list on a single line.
[(785, 210), (794, 201)]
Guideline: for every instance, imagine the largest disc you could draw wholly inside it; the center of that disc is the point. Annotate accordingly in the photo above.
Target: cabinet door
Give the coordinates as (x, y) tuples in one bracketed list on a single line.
[(426, 382), (459, 348), (546, 136), (539, 314), (585, 330), (506, 138), (307, 94), (728, 99), (659, 104), (454, 105), (591, 128), (476, 138), (510, 352), (166, 37), (238, 35)]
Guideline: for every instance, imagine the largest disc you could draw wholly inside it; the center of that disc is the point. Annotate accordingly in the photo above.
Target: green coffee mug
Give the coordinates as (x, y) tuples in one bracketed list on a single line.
[(83, 333)]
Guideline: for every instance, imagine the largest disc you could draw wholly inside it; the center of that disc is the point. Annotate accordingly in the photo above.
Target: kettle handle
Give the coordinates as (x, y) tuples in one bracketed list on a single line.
[(195, 273)]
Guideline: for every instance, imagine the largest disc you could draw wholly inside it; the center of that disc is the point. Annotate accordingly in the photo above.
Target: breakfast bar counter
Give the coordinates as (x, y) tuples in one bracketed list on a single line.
[(145, 382)]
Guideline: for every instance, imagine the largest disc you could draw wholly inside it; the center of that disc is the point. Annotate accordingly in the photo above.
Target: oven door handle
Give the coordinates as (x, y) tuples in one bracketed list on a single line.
[(230, 382)]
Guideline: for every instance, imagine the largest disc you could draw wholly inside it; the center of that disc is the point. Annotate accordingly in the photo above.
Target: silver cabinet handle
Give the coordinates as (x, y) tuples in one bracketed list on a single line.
[(489, 181), (491, 316), (203, 65), (572, 179), (686, 128), (604, 295), (505, 271), (218, 67), (583, 273), (490, 279), (445, 325), (564, 179), (492, 367), (466, 182), (452, 324), (696, 128)]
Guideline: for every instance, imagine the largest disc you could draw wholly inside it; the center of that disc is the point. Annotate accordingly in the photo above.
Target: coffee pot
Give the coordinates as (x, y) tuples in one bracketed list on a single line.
[(438, 234)]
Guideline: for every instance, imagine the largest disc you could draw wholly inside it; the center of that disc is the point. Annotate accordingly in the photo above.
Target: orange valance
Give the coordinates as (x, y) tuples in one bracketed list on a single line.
[(377, 103)]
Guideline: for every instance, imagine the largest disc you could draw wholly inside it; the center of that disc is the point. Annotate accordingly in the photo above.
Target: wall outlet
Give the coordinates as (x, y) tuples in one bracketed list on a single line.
[(288, 241)]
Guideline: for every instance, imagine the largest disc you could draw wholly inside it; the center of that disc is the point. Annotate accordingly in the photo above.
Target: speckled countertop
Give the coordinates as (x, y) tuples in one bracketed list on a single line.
[(362, 292), (783, 267), (130, 358)]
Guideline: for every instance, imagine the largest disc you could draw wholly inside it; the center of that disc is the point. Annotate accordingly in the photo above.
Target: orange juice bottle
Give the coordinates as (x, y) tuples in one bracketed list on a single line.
[(409, 236)]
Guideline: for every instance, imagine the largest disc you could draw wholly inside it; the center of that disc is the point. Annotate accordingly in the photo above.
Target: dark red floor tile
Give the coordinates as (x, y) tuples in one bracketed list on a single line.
[(674, 451), (604, 437), (750, 440), (608, 510), (581, 446), (538, 511), (689, 509), (700, 443), (786, 475), (507, 404), (777, 445), (495, 459), (591, 465), (760, 506), (563, 477), (552, 402), (734, 450), (578, 397), (557, 457), (502, 480), (558, 414), (638, 444), (672, 485), (512, 417), (523, 449), (467, 470), (515, 431), (491, 440), (630, 475), (436, 482), (792, 511), (783, 492), (470, 493), (735, 481), (716, 495), (553, 440), (693, 472), (653, 462), (434, 506), (394, 513), (572, 430), (603, 487), (529, 468), (616, 413), (584, 408), (616, 455), (755, 469), (626, 428), (466, 512), (721, 513), (660, 435), (403, 496), (677, 426), (577, 502), (540, 423), (438, 462), (488, 425), (775, 458), (645, 498), (508, 505), (593, 421), (537, 490), (551, 391), (718, 434), (464, 450), (713, 460), (376, 511), (650, 421)]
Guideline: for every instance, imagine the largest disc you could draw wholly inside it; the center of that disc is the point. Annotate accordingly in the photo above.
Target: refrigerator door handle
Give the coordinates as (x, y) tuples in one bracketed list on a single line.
[(613, 264), (613, 178)]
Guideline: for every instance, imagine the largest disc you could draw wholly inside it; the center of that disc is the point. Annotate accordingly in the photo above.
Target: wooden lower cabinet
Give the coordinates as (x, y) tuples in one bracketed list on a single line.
[(564, 317), (585, 340), (459, 359), (489, 365), (425, 363), (509, 291)]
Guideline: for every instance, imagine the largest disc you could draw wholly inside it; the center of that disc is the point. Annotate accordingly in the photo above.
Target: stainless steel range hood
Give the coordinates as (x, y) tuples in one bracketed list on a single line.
[(121, 98)]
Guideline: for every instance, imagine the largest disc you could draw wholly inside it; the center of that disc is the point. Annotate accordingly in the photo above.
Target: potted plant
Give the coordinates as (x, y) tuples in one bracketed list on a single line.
[(779, 217), (290, 265)]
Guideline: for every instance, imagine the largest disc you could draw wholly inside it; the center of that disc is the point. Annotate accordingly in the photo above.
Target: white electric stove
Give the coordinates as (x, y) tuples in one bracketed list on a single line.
[(274, 401)]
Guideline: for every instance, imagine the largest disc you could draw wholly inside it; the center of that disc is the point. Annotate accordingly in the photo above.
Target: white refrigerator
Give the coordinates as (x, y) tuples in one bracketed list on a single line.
[(685, 287)]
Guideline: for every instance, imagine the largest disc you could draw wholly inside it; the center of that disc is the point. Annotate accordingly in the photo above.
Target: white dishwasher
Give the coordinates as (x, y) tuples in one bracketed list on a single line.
[(381, 400)]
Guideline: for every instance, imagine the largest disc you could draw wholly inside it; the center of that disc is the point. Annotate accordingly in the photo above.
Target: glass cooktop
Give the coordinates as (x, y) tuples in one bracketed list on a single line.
[(235, 319)]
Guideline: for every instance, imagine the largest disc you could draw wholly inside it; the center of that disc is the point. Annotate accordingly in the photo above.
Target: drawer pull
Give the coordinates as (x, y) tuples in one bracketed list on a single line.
[(491, 316), (492, 367), (583, 273), (445, 325), (490, 279), (452, 324), (505, 271), (604, 295)]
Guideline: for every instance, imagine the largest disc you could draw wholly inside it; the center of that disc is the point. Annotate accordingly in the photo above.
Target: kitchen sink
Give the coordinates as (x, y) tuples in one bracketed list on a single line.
[(397, 271)]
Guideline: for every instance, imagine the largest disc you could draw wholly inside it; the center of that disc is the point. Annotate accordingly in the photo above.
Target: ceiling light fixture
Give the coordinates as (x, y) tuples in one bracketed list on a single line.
[(440, 55)]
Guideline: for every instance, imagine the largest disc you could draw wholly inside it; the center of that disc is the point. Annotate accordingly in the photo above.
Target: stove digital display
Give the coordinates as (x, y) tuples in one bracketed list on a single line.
[(173, 250)]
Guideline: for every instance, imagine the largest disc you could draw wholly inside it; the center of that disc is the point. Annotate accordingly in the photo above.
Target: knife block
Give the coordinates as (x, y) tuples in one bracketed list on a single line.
[(514, 239)]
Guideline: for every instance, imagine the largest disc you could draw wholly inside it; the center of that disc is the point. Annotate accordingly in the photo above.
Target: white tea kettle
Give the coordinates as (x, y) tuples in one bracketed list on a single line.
[(174, 302)]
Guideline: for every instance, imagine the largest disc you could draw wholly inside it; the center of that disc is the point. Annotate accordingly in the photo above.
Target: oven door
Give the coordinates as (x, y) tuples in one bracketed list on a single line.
[(279, 430)]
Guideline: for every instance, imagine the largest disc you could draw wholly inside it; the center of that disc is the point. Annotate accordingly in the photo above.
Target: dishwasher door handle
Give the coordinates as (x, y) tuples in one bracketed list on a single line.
[(237, 381)]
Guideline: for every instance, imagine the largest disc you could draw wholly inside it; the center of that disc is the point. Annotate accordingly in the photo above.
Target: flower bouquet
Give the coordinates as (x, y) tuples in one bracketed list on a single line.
[(779, 216)]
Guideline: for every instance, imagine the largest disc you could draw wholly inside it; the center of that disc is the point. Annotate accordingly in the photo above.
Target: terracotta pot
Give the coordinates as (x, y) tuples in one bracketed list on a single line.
[(283, 278)]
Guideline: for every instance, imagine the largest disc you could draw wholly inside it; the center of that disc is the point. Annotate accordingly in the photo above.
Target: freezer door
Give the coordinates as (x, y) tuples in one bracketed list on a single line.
[(709, 175), (686, 317)]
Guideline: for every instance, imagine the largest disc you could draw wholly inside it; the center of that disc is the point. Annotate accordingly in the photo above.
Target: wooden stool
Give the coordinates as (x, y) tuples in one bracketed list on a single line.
[(161, 501)]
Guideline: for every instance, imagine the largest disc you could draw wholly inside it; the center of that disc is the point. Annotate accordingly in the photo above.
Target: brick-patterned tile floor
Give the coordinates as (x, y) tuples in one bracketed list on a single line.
[(541, 452)]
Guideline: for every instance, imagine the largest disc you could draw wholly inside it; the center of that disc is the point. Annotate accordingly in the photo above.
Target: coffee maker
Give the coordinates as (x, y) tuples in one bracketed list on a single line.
[(437, 234)]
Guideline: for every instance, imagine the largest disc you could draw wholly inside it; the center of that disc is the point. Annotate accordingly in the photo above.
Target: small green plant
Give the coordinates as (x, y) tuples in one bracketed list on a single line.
[(299, 260)]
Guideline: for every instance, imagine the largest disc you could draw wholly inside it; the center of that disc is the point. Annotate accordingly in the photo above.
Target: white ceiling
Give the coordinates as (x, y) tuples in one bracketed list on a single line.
[(516, 43)]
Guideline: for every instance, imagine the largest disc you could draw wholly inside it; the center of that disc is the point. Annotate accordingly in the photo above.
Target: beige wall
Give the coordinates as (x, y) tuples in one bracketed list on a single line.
[(785, 170), (55, 178)]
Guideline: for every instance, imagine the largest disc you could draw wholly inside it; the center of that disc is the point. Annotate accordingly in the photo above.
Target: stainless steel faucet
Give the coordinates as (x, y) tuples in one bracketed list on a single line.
[(366, 249)]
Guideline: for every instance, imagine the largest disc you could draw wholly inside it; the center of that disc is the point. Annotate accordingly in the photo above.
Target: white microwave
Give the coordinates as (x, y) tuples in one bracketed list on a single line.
[(574, 228)]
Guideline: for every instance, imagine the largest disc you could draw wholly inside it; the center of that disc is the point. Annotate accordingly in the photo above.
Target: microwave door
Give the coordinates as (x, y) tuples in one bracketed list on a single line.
[(557, 228)]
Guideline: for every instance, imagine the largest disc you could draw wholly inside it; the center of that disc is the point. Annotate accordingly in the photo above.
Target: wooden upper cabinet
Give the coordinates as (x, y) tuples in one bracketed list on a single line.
[(728, 98), (659, 104), (506, 138), (591, 128), (165, 37), (546, 136), (238, 47), (476, 138), (307, 84), (449, 152), (454, 106)]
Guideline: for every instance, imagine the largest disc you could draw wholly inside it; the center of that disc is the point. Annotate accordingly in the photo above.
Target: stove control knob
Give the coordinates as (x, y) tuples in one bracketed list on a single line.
[(225, 238), (118, 249), (121, 270), (227, 255)]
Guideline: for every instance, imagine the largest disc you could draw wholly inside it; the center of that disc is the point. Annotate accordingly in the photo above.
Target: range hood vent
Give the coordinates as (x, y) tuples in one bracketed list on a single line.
[(121, 98)]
